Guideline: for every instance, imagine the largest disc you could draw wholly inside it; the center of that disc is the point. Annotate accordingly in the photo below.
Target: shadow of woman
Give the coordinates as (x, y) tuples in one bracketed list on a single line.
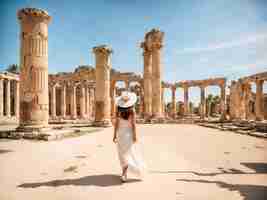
[(103, 180)]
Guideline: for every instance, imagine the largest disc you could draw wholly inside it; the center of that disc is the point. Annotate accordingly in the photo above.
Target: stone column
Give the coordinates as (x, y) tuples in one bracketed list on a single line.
[(102, 92), (113, 96), (222, 103), (147, 74), (174, 102), (259, 105), (7, 102), (157, 37), (34, 68), (82, 102), (162, 102), (91, 103), (202, 102), (127, 85), (63, 101), (186, 106), (73, 105), (16, 99), (87, 102), (1, 97), (53, 102)]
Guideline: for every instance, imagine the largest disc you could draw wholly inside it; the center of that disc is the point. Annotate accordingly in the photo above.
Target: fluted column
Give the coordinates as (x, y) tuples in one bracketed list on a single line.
[(63, 101), (259, 105), (73, 105), (82, 102), (33, 68), (102, 92), (1, 97), (186, 106), (222, 103), (16, 99), (157, 38), (202, 102), (147, 74), (7, 105), (53, 101), (174, 102)]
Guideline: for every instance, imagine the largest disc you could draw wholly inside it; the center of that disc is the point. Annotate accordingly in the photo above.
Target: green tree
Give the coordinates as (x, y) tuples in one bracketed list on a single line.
[(13, 68)]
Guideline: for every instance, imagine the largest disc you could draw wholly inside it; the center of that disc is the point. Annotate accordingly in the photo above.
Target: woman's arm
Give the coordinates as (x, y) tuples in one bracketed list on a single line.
[(133, 120), (115, 129)]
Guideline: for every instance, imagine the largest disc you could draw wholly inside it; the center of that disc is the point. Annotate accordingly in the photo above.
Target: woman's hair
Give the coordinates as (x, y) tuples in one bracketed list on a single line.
[(125, 113)]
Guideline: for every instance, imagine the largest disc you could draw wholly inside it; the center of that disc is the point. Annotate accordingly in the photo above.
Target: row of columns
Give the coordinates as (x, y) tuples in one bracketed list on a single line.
[(86, 101), (5, 104), (202, 101)]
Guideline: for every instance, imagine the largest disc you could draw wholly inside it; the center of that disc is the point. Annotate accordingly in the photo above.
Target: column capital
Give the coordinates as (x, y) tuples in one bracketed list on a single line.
[(27, 14), (103, 49)]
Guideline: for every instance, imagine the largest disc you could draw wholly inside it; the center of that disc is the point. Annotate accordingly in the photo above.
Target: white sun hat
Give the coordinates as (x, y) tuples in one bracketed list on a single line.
[(126, 100)]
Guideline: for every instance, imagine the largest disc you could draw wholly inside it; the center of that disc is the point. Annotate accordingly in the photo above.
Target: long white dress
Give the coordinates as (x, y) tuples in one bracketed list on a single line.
[(130, 153)]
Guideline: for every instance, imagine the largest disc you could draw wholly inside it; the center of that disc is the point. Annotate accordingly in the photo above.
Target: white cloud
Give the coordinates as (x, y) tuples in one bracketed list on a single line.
[(244, 41)]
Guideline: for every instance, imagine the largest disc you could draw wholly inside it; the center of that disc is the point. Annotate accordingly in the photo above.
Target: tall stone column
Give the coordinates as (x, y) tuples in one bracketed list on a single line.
[(202, 102), (16, 99), (222, 103), (102, 91), (259, 105), (82, 102), (34, 68), (63, 101), (186, 105), (157, 38), (7, 103), (73, 104), (174, 102), (1, 97), (53, 102), (147, 74)]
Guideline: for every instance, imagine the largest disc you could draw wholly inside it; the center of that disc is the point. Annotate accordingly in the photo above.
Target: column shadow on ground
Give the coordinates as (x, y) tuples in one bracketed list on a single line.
[(259, 168), (103, 180), (249, 192), (5, 151)]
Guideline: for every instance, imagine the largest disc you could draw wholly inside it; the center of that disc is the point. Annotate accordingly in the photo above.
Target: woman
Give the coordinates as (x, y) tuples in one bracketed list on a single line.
[(126, 138)]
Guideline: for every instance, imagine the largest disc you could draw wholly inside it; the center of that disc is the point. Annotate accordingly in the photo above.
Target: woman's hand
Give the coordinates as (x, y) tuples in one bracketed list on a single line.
[(115, 139)]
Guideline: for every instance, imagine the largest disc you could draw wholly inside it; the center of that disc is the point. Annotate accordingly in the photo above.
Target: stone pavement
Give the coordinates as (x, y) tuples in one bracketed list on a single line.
[(183, 162)]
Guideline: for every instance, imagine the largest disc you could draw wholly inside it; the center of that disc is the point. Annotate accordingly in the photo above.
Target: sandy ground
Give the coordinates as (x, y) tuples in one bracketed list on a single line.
[(183, 162)]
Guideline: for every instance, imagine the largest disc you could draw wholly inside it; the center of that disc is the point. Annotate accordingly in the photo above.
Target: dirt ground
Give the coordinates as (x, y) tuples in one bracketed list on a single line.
[(183, 162)]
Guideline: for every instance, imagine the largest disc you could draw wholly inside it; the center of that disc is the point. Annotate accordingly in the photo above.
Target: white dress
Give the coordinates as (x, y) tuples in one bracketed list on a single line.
[(129, 153)]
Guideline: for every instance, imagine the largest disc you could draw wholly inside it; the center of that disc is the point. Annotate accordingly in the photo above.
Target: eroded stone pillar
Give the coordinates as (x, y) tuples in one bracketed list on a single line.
[(63, 101), (87, 102), (174, 102), (113, 96), (7, 102), (16, 99), (186, 105), (222, 103), (102, 91), (34, 68), (53, 101), (91, 103), (82, 102), (157, 38), (259, 100), (147, 54), (1, 97), (202, 102), (73, 103)]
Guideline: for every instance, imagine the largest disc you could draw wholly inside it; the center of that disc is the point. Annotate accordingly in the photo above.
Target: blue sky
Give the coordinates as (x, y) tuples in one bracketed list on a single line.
[(203, 38)]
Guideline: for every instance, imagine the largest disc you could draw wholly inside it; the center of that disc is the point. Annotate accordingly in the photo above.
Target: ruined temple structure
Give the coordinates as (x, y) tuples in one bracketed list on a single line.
[(36, 98)]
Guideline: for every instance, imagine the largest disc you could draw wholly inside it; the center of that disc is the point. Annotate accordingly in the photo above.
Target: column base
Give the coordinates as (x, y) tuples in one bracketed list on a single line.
[(102, 123)]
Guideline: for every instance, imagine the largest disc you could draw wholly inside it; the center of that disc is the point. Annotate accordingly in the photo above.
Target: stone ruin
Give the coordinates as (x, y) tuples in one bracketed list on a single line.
[(36, 99)]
